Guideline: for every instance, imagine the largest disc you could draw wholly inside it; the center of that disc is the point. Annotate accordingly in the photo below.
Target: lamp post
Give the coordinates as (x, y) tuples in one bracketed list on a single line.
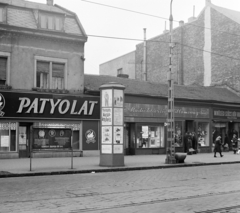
[(170, 156)]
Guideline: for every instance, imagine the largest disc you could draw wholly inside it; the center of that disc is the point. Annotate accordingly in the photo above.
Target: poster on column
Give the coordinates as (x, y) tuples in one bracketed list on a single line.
[(118, 149), (107, 149), (107, 98), (106, 134), (106, 116), (118, 98), (118, 116), (118, 135)]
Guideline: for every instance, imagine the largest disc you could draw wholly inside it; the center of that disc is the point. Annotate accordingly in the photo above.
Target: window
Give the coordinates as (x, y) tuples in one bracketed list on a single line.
[(4, 68), (119, 71), (50, 74), (150, 136), (51, 22), (203, 134), (7, 137), (178, 134), (1, 14)]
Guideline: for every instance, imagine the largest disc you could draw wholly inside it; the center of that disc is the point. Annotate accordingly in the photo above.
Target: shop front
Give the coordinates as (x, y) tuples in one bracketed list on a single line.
[(146, 128), (47, 125), (226, 123)]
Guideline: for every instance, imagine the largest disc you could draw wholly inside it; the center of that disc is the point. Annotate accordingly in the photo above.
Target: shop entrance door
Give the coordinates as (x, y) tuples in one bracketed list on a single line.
[(24, 136)]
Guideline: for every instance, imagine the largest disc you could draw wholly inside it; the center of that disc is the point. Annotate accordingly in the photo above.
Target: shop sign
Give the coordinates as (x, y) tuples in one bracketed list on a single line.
[(48, 106), (228, 114), (57, 125), (148, 110)]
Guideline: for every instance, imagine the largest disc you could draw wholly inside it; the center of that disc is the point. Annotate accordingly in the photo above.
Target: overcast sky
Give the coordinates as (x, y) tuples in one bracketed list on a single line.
[(98, 20)]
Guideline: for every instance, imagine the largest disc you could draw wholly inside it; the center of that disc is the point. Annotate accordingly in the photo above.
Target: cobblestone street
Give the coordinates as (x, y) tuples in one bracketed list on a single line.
[(192, 189)]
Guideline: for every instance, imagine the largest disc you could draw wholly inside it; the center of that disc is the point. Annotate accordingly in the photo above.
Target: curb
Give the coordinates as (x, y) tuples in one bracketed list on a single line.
[(11, 175)]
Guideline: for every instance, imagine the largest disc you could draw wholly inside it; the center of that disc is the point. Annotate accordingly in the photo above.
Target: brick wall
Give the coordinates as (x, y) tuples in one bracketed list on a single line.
[(225, 71)]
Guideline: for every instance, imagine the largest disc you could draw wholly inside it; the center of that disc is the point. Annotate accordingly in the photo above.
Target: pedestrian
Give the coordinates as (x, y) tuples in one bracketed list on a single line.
[(218, 146), (234, 144)]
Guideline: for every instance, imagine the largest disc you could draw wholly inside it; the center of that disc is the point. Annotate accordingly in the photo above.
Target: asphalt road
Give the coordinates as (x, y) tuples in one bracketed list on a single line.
[(192, 189)]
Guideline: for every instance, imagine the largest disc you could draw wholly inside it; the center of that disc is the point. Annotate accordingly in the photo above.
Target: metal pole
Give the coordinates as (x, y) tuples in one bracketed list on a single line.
[(170, 158), (144, 56)]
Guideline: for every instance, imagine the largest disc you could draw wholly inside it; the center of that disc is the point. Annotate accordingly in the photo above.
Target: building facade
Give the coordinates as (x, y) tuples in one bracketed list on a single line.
[(200, 113), (43, 108)]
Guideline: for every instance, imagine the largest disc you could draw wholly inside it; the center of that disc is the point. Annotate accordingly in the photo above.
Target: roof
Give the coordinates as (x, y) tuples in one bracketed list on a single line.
[(137, 87), (232, 14), (21, 13)]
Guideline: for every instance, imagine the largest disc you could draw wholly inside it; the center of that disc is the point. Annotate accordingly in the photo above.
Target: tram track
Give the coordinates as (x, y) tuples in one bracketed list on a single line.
[(159, 201)]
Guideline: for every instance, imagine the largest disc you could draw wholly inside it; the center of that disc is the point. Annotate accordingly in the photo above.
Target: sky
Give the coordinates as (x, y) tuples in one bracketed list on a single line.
[(101, 21)]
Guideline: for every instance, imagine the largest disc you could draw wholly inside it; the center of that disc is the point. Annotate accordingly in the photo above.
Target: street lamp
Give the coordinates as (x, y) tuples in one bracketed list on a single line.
[(170, 156)]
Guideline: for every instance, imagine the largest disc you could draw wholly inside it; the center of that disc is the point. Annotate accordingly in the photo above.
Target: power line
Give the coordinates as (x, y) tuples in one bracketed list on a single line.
[(132, 11), (167, 42), (155, 16)]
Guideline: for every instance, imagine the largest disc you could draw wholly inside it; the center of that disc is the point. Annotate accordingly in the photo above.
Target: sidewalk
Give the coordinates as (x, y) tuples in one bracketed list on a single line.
[(53, 166)]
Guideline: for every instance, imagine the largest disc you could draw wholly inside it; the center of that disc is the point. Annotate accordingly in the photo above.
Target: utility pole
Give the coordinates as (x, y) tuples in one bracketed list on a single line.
[(144, 56), (170, 156)]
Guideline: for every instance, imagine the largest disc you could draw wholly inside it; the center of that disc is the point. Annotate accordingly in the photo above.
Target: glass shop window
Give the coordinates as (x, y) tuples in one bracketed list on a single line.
[(47, 138), (178, 134), (150, 136), (203, 134), (7, 137)]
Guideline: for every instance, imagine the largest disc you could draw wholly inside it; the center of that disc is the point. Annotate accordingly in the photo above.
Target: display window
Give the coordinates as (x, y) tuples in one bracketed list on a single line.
[(8, 137), (55, 136), (178, 134), (150, 136), (203, 134)]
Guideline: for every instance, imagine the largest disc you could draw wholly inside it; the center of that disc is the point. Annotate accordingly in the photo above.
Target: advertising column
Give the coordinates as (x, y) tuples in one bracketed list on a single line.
[(112, 147)]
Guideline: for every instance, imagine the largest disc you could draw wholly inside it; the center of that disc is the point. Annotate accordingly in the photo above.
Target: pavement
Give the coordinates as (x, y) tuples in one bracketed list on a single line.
[(90, 164)]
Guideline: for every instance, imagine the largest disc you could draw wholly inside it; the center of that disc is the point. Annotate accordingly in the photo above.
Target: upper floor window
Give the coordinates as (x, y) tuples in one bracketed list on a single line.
[(51, 22), (50, 73), (1, 15), (4, 68), (119, 71)]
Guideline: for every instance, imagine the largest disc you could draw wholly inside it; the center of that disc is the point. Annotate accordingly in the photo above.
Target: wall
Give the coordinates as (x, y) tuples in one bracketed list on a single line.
[(187, 39), (24, 48), (225, 71), (126, 62)]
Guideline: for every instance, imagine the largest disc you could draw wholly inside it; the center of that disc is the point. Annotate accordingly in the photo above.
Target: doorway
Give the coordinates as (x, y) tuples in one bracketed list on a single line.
[(24, 139)]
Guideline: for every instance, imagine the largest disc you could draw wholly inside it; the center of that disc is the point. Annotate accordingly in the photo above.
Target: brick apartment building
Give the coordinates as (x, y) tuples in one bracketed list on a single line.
[(206, 51)]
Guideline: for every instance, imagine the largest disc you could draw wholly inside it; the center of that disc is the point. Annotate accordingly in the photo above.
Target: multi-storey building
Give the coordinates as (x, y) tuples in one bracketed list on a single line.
[(42, 82), (205, 51)]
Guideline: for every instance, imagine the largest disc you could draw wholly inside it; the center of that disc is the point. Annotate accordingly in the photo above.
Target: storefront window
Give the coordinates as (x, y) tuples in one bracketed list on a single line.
[(203, 134), (7, 137), (150, 136), (178, 134)]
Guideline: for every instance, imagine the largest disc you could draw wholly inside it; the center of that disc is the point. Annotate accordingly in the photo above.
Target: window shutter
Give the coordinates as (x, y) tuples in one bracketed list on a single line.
[(3, 68), (58, 70), (43, 67)]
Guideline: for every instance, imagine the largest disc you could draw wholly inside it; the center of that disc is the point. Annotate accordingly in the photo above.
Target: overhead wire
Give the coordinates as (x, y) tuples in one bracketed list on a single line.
[(167, 42), (155, 16)]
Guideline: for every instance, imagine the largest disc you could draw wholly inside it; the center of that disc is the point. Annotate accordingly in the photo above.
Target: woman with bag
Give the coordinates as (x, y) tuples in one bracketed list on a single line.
[(218, 146)]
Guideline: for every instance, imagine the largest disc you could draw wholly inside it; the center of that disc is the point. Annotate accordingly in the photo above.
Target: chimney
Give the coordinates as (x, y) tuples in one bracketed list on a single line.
[(166, 31), (181, 23), (193, 17), (50, 2), (207, 2)]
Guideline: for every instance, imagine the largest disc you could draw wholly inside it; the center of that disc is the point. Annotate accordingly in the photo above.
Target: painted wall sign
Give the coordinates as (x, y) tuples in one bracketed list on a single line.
[(48, 106), (148, 110), (227, 114)]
